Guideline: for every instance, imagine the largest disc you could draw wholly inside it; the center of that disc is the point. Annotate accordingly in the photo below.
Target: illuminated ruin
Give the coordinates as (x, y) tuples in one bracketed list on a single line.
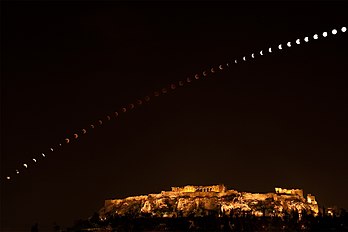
[(203, 200)]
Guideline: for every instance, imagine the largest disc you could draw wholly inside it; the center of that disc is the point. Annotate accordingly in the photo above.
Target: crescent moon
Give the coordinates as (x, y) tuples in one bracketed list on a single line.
[(116, 114), (235, 61), (220, 67), (197, 76), (261, 53), (172, 86), (244, 58), (124, 110), (204, 73), (100, 122), (92, 126), (298, 41), (51, 149), (181, 83), (139, 102), (131, 106), (147, 98), (252, 55), (67, 140), (212, 70), (280, 47), (76, 136), (188, 80), (270, 50), (289, 44), (43, 155), (108, 117), (34, 160), (25, 165), (84, 131)]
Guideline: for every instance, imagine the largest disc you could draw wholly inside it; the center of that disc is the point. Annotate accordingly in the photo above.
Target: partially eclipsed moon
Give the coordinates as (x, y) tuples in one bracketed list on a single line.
[(280, 47), (204, 73), (197, 76), (147, 98), (76, 136), (315, 36), (298, 41), (212, 70), (139, 102), (92, 126), (220, 67), (244, 58), (172, 86), (289, 44), (252, 55), (51, 149), (124, 110), (100, 122), (131, 106), (108, 117), (67, 140), (270, 50), (43, 155), (261, 53), (84, 131), (306, 39)]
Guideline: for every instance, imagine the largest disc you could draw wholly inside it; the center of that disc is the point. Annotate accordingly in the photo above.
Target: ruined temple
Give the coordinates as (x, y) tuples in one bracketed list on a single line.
[(201, 200)]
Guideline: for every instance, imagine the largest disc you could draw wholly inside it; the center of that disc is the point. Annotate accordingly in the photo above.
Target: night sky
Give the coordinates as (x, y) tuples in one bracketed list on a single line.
[(277, 120)]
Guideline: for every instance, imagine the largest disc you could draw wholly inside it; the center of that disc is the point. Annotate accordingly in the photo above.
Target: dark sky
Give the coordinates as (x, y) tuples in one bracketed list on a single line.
[(279, 120)]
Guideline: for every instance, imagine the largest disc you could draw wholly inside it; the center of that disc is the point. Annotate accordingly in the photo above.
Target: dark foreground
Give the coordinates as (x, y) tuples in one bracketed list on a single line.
[(215, 223)]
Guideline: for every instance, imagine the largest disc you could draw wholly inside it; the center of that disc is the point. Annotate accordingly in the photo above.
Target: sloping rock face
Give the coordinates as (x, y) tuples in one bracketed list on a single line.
[(205, 200)]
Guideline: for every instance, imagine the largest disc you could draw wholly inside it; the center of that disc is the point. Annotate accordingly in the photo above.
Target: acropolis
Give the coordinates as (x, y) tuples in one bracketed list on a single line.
[(202, 200)]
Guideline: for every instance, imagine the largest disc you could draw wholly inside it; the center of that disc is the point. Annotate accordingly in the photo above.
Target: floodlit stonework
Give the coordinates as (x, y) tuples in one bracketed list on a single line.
[(193, 200)]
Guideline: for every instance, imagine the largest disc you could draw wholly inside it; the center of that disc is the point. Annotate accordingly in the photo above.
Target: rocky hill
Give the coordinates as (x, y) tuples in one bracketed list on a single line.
[(207, 200)]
